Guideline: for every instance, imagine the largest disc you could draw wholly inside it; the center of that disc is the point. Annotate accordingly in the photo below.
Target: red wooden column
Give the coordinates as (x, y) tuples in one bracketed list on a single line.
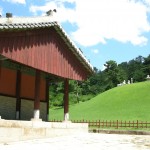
[(47, 98), (0, 67), (18, 99), (66, 100), (37, 95)]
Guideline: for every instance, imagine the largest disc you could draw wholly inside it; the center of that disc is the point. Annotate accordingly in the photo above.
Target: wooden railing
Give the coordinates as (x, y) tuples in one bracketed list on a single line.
[(113, 124)]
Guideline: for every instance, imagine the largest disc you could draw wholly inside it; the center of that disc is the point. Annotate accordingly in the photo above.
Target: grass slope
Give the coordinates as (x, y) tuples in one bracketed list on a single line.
[(128, 102)]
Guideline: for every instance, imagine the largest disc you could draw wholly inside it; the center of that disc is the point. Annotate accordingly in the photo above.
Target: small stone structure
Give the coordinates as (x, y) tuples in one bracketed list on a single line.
[(124, 82), (148, 78)]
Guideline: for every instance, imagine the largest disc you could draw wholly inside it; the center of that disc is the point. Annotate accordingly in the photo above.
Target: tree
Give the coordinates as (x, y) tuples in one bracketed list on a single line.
[(112, 72), (75, 90), (123, 71), (146, 67), (135, 69)]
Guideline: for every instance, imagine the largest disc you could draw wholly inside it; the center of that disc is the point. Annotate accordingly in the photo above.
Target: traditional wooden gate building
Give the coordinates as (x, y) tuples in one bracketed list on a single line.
[(34, 52)]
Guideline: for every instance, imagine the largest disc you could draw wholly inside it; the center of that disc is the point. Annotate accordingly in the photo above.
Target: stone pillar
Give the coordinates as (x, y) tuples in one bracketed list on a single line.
[(47, 98), (36, 114), (66, 100), (18, 99)]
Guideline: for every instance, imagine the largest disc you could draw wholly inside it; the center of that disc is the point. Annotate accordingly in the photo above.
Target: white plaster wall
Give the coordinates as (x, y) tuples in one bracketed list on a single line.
[(27, 107), (27, 110), (7, 107)]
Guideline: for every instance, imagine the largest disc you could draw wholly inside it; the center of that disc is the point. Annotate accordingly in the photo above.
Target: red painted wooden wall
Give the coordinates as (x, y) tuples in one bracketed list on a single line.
[(42, 49), (8, 84)]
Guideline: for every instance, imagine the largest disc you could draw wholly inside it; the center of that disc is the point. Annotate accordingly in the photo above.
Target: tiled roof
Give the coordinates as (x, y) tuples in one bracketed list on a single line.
[(42, 22), (25, 23)]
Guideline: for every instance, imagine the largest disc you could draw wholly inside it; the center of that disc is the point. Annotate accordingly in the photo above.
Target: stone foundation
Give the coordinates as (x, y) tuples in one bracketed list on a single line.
[(11, 130)]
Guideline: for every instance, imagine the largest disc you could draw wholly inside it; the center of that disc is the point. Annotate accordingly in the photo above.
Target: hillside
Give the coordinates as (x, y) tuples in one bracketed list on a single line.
[(128, 102)]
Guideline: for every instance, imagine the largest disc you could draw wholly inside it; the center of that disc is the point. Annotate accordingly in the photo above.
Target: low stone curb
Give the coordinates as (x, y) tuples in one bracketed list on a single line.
[(119, 132)]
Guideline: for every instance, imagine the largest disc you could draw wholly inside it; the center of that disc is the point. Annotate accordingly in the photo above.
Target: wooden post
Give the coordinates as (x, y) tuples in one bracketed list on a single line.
[(37, 95), (47, 98), (0, 68), (66, 100), (117, 124), (18, 99)]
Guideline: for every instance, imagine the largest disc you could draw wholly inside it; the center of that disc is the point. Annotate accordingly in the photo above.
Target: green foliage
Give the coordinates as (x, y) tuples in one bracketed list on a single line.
[(112, 73), (57, 100), (146, 64), (135, 69), (86, 98), (128, 102)]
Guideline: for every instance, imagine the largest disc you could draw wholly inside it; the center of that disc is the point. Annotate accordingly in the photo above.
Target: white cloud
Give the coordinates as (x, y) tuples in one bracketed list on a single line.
[(1, 10), (16, 1), (62, 14), (49, 5), (101, 20), (147, 2), (95, 51), (103, 68)]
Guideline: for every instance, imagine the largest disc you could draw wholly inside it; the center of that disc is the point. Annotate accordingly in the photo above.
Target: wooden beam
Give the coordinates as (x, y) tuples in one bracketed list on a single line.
[(47, 98), (66, 100), (18, 98), (37, 95)]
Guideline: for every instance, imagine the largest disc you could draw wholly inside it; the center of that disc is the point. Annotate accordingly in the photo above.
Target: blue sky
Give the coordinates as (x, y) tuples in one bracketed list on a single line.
[(104, 30)]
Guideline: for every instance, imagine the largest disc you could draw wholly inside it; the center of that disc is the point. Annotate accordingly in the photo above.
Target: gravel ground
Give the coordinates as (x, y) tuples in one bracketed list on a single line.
[(89, 141)]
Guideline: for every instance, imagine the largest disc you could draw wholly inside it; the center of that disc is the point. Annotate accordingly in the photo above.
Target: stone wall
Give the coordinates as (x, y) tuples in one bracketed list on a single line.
[(8, 109)]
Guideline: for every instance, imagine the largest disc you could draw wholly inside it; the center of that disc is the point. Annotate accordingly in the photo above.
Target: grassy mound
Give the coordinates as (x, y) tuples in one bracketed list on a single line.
[(128, 102)]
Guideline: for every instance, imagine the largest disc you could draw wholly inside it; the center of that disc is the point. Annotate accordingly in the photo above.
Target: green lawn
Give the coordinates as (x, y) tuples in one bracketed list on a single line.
[(128, 102)]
